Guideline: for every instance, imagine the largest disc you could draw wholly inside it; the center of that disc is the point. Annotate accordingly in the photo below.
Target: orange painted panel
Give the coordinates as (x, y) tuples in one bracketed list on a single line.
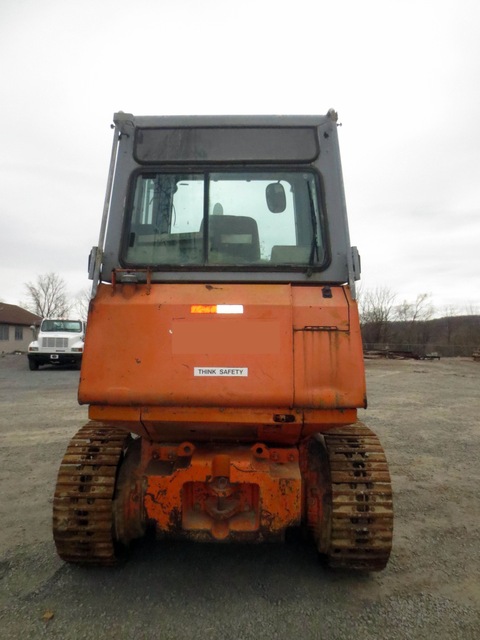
[(145, 347), (225, 336), (172, 424), (312, 307), (328, 361), (282, 347)]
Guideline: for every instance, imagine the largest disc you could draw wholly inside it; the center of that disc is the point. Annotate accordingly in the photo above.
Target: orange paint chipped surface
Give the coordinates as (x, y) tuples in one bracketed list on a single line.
[(228, 493)]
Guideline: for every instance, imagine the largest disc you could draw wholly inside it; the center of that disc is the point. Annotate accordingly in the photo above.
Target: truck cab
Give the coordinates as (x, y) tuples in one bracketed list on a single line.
[(59, 341)]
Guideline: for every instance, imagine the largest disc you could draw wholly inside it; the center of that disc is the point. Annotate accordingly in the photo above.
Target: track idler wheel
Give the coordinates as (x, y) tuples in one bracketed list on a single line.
[(83, 527), (353, 519)]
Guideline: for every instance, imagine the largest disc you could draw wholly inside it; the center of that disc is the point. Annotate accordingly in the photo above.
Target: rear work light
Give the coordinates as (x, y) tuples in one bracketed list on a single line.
[(216, 308)]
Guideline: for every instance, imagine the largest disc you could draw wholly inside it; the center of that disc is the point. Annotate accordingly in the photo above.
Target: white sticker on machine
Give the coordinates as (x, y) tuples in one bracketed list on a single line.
[(235, 372)]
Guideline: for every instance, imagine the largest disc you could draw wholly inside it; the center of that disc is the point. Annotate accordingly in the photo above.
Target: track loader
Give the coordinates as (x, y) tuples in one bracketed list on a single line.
[(223, 363)]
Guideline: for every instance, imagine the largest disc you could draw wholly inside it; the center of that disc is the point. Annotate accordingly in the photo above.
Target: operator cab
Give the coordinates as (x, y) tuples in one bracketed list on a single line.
[(226, 198)]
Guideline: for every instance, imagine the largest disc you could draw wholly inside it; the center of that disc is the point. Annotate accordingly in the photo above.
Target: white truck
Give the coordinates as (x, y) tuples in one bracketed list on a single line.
[(58, 342)]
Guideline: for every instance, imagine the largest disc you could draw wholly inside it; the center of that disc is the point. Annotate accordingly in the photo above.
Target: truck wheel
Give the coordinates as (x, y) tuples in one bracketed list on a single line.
[(32, 365)]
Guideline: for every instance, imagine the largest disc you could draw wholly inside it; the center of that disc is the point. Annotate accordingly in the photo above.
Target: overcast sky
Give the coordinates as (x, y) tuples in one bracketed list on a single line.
[(404, 76)]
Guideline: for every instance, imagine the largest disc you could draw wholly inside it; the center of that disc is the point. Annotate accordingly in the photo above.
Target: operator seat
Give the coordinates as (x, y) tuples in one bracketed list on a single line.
[(233, 238)]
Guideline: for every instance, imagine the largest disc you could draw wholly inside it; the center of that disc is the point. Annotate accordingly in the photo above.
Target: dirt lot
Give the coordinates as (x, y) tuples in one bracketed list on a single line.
[(427, 416)]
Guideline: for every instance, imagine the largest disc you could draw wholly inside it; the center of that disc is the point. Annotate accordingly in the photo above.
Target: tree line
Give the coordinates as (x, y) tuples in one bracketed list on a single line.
[(411, 326)]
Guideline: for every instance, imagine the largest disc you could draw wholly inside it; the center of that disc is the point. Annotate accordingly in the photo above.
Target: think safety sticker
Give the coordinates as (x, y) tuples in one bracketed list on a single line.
[(241, 372)]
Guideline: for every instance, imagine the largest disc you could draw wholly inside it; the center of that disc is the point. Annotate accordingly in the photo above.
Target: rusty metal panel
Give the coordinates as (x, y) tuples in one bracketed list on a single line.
[(226, 493)]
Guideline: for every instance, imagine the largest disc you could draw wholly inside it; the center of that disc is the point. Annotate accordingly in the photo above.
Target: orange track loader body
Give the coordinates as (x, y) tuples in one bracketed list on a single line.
[(149, 366), (155, 362), (223, 363)]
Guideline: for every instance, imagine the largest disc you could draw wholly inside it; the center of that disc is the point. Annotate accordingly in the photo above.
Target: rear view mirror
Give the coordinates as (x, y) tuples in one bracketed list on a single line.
[(276, 200)]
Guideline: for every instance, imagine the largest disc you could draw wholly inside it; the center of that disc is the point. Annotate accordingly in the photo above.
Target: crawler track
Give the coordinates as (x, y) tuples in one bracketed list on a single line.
[(361, 508), (82, 505)]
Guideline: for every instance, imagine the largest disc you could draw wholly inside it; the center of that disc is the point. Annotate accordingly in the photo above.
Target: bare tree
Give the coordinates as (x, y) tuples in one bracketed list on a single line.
[(414, 317), (48, 297), (376, 311), (420, 310), (81, 303)]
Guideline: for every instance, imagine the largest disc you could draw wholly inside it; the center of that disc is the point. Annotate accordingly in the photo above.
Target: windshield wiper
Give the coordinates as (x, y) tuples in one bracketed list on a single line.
[(314, 250)]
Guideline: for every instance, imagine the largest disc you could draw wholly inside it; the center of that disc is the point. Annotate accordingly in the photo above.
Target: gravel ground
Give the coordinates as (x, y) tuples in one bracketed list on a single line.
[(426, 414)]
